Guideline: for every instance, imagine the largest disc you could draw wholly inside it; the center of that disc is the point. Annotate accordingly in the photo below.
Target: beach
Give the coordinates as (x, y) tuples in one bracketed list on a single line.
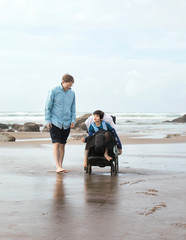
[(121, 63), (146, 200)]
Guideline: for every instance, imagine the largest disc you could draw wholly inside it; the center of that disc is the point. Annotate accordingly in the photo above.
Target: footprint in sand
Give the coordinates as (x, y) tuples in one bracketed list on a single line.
[(131, 183), (153, 209), (151, 192), (138, 181), (179, 225)]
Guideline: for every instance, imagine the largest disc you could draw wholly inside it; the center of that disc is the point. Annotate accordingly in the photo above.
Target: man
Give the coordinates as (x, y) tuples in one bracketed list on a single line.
[(60, 115)]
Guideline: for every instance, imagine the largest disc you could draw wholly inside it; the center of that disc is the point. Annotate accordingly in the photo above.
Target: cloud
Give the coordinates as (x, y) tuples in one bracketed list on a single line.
[(124, 55)]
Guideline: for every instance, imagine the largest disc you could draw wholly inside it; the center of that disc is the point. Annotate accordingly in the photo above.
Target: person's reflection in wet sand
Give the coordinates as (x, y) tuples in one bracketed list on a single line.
[(101, 194), (59, 213), (59, 194), (100, 189)]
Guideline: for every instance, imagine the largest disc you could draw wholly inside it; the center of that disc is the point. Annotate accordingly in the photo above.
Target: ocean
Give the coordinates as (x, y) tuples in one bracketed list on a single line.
[(137, 123)]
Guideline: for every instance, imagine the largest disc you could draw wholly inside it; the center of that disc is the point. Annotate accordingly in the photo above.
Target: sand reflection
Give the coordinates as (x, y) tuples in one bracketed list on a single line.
[(59, 191), (101, 189)]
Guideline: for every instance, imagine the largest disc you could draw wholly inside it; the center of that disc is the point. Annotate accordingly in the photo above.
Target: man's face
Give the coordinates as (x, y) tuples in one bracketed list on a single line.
[(66, 85)]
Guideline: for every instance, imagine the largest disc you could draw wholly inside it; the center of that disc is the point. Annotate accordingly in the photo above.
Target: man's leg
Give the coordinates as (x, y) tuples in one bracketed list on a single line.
[(61, 154), (59, 138), (56, 153)]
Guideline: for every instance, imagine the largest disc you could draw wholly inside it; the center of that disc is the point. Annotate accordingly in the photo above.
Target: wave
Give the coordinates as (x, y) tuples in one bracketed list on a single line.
[(121, 117), (19, 114), (148, 115)]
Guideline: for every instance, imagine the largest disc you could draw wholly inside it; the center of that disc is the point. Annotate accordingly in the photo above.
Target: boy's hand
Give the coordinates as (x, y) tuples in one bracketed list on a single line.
[(119, 151), (83, 139)]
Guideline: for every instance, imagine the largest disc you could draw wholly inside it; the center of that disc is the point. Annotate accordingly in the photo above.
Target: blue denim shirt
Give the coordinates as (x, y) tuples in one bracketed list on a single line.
[(60, 108)]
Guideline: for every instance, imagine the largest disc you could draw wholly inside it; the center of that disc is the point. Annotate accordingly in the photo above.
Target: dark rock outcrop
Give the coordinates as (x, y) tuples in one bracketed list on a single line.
[(180, 119), (4, 126), (8, 130), (172, 135), (29, 127), (80, 122), (5, 137), (16, 126)]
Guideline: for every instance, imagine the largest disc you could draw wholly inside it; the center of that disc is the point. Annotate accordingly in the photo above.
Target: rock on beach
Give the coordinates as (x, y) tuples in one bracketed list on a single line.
[(4, 126), (180, 119), (16, 126), (80, 122), (5, 137), (29, 127)]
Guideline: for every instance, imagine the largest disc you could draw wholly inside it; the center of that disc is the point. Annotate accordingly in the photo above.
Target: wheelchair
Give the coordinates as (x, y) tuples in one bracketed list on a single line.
[(96, 154)]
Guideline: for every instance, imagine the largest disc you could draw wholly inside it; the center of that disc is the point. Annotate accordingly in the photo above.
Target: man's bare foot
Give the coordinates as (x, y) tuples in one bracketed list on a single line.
[(59, 169), (107, 157)]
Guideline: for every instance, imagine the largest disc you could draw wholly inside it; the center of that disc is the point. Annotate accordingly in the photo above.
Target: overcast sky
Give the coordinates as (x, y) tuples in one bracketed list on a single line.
[(125, 55)]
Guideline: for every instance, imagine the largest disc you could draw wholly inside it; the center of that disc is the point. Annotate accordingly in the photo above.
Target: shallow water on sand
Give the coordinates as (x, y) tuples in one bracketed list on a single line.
[(168, 157), (37, 203)]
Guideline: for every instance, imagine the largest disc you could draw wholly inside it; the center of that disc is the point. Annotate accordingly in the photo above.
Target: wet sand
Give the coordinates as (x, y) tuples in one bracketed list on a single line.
[(146, 200), (43, 137)]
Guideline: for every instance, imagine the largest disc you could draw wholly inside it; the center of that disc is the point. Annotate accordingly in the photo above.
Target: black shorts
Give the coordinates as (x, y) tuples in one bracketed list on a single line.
[(59, 135)]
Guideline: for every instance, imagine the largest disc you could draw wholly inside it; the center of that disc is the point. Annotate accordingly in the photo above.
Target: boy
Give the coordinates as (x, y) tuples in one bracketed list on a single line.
[(100, 126)]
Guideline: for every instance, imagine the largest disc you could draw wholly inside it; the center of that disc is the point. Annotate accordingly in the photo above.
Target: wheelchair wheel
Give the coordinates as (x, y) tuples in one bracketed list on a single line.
[(89, 169), (115, 150), (116, 163), (113, 169)]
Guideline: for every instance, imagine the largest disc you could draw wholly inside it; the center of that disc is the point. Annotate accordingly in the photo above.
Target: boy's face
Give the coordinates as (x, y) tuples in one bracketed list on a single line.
[(96, 118), (66, 85)]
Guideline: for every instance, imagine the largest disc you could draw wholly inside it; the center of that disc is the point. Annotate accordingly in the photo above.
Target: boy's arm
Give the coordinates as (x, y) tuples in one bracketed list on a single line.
[(119, 145), (90, 132), (113, 131)]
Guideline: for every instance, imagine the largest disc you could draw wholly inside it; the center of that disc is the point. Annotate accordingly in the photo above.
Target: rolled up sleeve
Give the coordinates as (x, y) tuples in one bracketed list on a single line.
[(73, 110), (48, 107)]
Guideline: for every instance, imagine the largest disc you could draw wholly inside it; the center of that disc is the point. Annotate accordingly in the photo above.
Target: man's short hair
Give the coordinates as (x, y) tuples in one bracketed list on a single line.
[(68, 78), (100, 113)]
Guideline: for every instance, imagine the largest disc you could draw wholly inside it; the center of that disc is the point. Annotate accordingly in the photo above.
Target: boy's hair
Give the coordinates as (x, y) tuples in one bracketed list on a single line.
[(68, 78), (100, 113)]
